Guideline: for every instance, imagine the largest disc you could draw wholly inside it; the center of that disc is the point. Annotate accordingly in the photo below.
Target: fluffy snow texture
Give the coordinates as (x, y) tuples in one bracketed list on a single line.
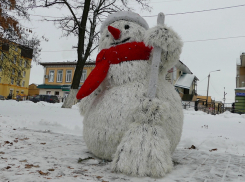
[(42, 135), (124, 15), (120, 123)]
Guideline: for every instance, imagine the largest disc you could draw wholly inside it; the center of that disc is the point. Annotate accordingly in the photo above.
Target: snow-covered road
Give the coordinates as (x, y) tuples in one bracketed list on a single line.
[(43, 142)]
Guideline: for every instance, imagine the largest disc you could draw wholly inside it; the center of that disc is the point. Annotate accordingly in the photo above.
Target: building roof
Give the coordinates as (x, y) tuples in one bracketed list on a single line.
[(63, 63), (185, 81), (33, 84), (204, 98), (182, 67), (63, 87), (45, 86), (240, 88)]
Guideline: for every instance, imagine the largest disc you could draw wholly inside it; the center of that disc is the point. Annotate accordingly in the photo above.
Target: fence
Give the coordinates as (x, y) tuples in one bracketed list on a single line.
[(211, 107), (188, 104)]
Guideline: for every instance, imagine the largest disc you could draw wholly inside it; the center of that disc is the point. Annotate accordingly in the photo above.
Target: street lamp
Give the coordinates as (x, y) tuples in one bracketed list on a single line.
[(208, 85)]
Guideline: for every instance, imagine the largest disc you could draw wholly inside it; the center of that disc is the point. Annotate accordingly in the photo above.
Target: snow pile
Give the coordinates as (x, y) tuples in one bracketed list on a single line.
[(41, 116), (224, 132), (43, 142)]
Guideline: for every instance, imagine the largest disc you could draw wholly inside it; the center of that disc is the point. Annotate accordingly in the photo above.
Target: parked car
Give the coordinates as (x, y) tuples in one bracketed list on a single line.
[(45, 98), (2, 97), (30, 98)]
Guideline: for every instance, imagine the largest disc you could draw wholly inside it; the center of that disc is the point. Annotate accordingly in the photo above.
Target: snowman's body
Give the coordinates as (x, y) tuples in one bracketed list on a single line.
[(121, 123)]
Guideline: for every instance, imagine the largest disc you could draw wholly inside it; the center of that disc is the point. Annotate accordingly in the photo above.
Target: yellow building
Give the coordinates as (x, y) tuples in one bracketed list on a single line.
[(15, 79), (58, 77), (33, 90), (203, 100)]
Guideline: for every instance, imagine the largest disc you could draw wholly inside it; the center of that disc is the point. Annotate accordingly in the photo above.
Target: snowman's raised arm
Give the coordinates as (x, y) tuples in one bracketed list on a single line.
[(168, 40)]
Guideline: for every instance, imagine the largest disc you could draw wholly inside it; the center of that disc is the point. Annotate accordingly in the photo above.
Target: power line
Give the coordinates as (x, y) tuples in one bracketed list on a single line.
[(59, 51), (46, 16), (159, 2), (202, 79), (200, 11), (214, 88), (222, 38), (184, 41), (214, 39)]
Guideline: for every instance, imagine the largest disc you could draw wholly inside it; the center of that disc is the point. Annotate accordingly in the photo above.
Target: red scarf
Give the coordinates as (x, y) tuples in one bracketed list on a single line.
[(124, 52)]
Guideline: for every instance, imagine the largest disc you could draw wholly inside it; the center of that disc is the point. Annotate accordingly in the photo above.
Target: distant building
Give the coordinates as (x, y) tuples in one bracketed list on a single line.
[(58, 77), (240, 72), (203, 100), (240, 85), (12, 81), (184, 81), (33, 90)]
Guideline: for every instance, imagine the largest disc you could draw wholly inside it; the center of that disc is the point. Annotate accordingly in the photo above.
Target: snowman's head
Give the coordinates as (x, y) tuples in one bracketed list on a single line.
[(122, 27)]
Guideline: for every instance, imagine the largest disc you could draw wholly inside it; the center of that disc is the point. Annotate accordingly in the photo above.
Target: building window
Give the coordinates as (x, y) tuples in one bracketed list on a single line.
[(2, 56), (51, 76), (84, 75), (48, 92), (59, 75), (0, 79), (25, 63), (0, 68), (22, 92), (15, 59), (13, 71), (18, 83), (56, 93), (23, 83), (24, 74), (12, 81), (68, 75), (20, 63), (11, 92)]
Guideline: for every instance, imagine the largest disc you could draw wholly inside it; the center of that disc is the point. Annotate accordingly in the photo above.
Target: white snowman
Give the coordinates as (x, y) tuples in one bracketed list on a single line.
[(121, 123)]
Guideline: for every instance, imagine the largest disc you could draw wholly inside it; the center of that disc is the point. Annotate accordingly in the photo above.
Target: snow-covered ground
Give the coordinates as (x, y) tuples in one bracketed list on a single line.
[(43, 142)]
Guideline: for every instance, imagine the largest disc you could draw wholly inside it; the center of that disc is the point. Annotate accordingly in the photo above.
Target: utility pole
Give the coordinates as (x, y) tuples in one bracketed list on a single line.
[(207, 90), (224, 98), (208, 86), (196, 86)]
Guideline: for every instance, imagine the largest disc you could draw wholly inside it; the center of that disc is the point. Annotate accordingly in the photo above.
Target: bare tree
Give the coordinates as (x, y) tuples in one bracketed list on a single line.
[(14, 36), (84, 17)]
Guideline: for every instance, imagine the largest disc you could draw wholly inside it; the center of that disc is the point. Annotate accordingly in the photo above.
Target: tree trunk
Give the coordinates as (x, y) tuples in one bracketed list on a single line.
[(70, 100), (81, 58)]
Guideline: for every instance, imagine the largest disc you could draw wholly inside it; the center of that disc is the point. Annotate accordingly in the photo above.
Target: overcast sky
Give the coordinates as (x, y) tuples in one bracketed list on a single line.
[(200, 56)]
